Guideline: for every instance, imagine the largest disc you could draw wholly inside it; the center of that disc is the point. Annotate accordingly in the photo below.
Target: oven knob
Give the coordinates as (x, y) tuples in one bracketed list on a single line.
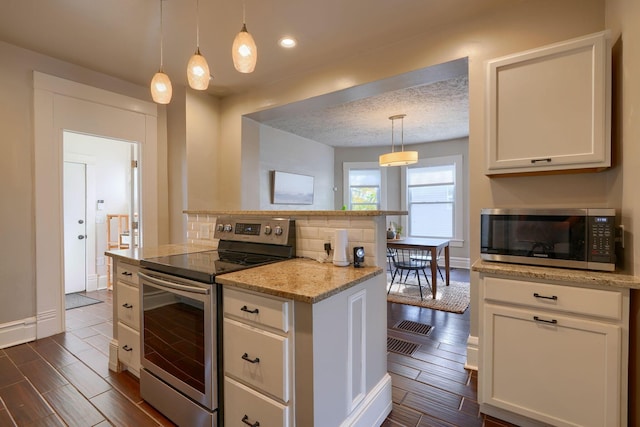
[(278, 230), (267, 229), (227, 227), (220, 227)]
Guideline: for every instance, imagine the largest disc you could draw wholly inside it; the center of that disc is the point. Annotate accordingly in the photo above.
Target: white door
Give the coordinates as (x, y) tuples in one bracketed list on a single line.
[(75, 227)]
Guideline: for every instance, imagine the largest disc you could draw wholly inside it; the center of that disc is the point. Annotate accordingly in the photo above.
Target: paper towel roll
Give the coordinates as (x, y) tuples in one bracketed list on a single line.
[(340, 248)]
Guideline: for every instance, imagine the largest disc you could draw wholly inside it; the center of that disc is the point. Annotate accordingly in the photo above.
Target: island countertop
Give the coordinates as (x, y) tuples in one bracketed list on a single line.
[(300, 279), (566, 275)]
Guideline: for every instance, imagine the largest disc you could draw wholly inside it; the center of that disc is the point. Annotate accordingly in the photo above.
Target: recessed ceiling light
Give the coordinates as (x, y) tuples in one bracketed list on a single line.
[(287, 42)]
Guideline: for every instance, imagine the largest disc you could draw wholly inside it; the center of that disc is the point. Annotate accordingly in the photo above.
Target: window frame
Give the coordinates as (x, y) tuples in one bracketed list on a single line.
[(346, 190), (457, 240)]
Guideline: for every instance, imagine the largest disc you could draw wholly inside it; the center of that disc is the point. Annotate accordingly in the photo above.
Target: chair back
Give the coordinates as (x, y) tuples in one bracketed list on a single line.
[(411, 259)]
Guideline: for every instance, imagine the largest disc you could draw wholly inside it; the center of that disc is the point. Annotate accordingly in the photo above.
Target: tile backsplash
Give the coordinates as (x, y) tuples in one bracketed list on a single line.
[(311, 234)]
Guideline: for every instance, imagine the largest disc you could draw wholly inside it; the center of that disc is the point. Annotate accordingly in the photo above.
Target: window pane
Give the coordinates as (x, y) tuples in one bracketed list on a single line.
[(431, 175), (365, 195), (431, 194), (431, 220), (364, 207), (364, 177)]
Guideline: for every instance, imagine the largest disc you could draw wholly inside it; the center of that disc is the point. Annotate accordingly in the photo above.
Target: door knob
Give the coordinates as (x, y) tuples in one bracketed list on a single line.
[(81, 236), (80, 221)]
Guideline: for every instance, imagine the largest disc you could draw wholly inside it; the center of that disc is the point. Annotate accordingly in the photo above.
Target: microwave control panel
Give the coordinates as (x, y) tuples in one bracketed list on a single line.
[(602, 239)]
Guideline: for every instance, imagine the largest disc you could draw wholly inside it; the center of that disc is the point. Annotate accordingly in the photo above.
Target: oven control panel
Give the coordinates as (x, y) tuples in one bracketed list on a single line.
[(278, 231)]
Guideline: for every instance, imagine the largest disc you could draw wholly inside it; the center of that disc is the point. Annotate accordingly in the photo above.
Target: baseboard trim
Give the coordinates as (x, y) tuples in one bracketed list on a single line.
[(17, 332), (49, 323), (375, 407), (472, 353)]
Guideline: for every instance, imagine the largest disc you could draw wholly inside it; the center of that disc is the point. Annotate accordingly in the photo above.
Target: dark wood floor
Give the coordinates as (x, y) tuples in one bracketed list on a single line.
[(65, 380)]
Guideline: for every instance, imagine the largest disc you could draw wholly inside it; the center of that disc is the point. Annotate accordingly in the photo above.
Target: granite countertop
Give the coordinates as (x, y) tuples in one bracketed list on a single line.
[(300, 279), (299, 213), (567, 275), (133, 256)]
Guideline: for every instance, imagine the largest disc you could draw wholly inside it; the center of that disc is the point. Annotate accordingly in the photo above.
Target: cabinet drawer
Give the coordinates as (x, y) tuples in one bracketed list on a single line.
[(243, 406), (127, 273), (244, 345), (128, 308), (129, 347), (262, 310), (592, 302)]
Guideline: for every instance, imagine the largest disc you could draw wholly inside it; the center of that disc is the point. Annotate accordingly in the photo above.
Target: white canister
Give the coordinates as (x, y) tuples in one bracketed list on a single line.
[(340, 248)]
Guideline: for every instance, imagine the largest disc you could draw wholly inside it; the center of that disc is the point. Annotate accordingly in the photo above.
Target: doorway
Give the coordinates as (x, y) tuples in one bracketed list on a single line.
[(100, 183)]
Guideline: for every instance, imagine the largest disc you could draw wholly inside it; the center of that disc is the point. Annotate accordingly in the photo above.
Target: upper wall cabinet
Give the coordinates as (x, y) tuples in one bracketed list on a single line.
[(549, 109)]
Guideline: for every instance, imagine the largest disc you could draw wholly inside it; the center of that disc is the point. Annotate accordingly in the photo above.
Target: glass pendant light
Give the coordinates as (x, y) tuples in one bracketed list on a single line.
[(161, 89), (398, 158), (197, 68), (244, 51)]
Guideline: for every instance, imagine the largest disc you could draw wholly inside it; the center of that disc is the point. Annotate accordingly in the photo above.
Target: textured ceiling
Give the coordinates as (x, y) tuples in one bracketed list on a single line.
[(435, 112)]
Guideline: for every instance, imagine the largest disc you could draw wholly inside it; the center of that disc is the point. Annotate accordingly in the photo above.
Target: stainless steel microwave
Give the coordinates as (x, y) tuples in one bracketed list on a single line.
[(571, 238)]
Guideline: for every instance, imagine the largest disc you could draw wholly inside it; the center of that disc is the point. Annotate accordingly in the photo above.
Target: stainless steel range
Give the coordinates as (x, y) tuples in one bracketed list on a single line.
[(181, 321)]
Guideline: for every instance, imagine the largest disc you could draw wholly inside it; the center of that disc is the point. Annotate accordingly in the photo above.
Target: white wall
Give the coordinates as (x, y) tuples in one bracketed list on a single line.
[(285, 152)]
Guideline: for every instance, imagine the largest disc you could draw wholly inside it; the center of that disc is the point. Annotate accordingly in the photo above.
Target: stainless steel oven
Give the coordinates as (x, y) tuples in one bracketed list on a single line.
[(181, 361)]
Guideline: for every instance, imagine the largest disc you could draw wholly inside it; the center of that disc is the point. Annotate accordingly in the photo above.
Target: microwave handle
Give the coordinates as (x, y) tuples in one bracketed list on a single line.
[(172, 285)]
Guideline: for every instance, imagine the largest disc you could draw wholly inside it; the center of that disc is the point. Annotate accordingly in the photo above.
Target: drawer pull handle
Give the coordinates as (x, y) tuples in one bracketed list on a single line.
[(254, 311), (553, 297), (547, 160), (245, 420), (246, 357), (552, 321), (127, 348), (127, 305), (127, 273)]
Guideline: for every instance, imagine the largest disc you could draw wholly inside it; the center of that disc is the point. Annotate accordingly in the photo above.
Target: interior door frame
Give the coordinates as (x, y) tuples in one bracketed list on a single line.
[(60, 105)]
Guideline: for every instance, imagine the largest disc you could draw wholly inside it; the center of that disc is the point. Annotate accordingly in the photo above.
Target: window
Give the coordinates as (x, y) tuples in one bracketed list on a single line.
[(364, 186), (434, 198)]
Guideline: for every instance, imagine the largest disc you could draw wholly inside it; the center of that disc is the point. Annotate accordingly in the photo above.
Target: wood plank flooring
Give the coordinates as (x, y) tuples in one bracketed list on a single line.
[(65, 380)]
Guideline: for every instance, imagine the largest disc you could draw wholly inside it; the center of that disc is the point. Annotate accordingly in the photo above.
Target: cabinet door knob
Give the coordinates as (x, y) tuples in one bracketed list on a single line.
[(246, 357), (537, 295), (254, 311), (245, 420), (552, 321)]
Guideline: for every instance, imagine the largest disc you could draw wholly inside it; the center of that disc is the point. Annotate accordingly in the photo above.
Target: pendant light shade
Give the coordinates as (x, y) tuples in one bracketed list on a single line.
[(197, 68), (398, 158), (161, 89), (244, 51)]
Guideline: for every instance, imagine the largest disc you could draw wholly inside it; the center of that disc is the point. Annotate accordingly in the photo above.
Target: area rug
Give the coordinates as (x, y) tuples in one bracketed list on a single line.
[(76, 300), (453, 298)]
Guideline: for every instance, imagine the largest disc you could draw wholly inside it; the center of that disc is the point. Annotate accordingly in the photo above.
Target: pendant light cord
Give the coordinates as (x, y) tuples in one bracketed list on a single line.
[(198, 26), (244, 21), (161, 35)]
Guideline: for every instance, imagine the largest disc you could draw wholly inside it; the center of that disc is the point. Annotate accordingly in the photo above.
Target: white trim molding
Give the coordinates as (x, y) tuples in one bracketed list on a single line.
[(473, 351), (17, 332)]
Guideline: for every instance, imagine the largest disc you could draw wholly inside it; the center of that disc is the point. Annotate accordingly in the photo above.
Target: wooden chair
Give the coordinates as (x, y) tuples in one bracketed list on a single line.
[(408, 260)]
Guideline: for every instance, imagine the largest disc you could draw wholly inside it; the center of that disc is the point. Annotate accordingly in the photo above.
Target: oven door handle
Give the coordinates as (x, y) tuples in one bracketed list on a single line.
[(173, 285)]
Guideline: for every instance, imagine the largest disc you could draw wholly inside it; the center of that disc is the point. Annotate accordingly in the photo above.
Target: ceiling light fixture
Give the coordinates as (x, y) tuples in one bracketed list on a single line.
[(398, 158), (197, 68), (161, 89), (244, 51), (287, 42)]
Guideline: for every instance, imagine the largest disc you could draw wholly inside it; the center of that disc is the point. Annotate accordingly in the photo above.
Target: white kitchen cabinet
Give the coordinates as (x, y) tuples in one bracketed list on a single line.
[(552, 354), (124, 349), (549, 109), (293, 363)]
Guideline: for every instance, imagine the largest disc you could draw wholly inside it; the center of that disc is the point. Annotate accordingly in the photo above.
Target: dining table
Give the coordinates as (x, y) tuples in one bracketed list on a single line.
[(434, 246)]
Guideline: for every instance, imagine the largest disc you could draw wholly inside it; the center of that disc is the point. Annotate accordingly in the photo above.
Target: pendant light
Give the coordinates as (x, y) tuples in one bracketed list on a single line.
[(197, 68), (161, 89), (244, 51), (398, 158)]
